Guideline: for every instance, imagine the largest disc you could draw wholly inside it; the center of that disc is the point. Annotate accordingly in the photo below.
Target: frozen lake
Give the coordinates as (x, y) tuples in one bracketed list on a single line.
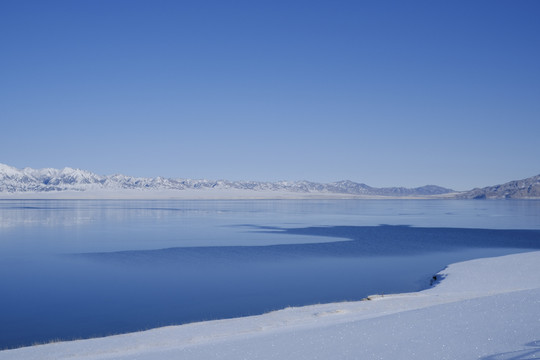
[(76, 269)]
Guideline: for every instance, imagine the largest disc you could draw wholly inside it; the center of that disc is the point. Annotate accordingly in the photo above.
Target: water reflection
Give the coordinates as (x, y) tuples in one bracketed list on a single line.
[(523, 214)]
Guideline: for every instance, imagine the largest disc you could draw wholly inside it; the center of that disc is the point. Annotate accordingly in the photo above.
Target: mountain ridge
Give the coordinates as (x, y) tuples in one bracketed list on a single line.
[(15, 181), (528, 188), (47, 180)]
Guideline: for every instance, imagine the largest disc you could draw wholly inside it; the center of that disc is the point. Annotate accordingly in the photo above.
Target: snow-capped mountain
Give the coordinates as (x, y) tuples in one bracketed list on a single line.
[(13, 180), (517, 189)]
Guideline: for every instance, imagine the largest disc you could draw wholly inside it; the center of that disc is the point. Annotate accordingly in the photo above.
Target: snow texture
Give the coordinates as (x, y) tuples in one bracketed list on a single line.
[(481, 309), (76, 183)]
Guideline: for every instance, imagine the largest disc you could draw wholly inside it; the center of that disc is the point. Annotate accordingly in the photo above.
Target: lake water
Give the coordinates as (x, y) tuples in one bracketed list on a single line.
[(78, 269)]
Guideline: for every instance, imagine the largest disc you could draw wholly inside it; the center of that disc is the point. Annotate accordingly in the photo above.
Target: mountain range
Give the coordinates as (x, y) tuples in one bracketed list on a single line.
[(517, 189), (20, 181)]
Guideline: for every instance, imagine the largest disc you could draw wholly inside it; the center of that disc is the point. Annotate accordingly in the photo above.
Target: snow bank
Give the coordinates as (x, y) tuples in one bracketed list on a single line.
[(486, 308), (195, 194)]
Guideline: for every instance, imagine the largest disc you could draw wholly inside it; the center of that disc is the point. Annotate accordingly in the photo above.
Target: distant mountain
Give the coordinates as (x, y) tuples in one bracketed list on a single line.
[(517, 189), (13, 180)]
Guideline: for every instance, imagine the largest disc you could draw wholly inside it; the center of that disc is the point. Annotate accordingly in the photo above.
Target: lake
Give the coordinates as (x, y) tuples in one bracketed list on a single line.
[(74, 269)]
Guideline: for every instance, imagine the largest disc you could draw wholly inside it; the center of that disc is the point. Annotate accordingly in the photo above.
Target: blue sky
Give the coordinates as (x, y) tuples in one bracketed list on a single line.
[(382, 92)]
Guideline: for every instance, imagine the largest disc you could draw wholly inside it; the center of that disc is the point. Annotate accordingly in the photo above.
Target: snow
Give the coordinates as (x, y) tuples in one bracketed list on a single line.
[(8, 170), (485, 308), (58, 183), (94, 191)]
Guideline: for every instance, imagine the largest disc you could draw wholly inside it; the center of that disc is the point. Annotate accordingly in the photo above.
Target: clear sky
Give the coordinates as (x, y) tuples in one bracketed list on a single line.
[(389, 93)]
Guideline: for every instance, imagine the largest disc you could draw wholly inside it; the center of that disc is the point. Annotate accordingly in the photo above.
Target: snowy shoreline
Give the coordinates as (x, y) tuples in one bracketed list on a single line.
[(200, 194), (484, 308)]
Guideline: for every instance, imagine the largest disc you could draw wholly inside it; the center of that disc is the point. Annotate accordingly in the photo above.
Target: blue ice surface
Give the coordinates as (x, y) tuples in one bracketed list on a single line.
[(79, 269)]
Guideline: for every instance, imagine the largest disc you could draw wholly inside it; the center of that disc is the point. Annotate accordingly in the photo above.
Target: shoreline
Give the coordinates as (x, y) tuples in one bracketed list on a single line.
[(228, 194), (206, 194), (473, 286)]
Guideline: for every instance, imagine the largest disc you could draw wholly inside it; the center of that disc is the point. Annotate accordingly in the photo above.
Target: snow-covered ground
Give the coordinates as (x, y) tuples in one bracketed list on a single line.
[(188, 194), (486, 308), (198, 194)]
